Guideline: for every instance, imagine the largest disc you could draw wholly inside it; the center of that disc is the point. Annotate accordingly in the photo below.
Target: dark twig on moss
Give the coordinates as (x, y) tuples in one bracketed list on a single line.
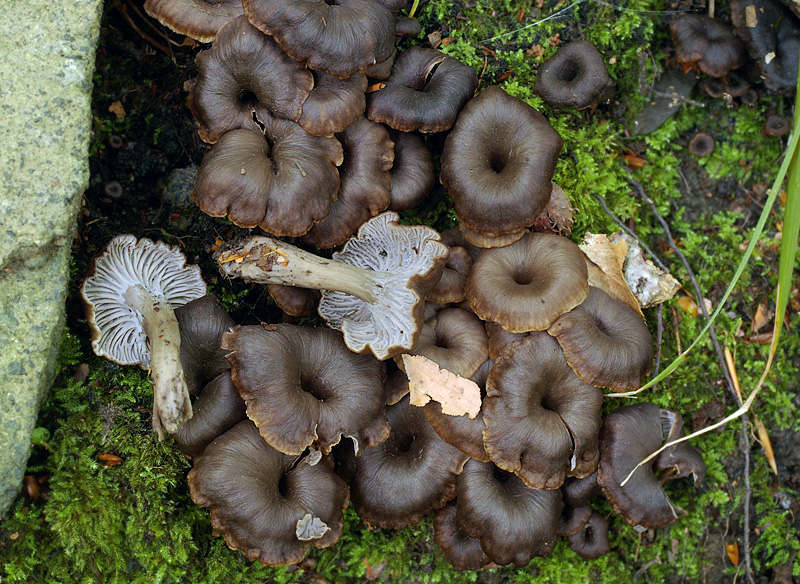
[(720, 356)]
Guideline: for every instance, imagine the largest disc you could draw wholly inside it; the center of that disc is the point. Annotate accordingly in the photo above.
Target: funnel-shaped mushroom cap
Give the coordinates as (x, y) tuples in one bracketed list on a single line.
[(244, 75), (578, 492), (410, 259), (425, 92), (605, 342), (682, 459), (217, 408), (264, 504), (707, 43), (629, 434), (339, 37), (197, 19), (202, 323), (541, 421), (411, 474), (365, 184), (462, 551), (575, 76), (591, 541), (455, 339), (497, 162), (500, 338), (573, 519), (463, 432), (284, 189), (117, 328), (527, 285), (412, 172), (514, 523), (303, 387), (334, 104), (772, 37)]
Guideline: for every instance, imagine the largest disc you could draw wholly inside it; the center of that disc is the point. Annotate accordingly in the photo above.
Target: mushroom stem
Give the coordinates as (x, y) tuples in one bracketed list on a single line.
[(268, 261), (171, 404)]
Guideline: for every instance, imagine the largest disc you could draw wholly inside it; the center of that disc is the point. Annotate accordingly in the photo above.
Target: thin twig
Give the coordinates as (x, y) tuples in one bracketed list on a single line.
[(748, 495)]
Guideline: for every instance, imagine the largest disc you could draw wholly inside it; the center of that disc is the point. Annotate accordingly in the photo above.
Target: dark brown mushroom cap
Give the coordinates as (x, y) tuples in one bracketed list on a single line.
[(736, 85), (259, 498), (707, 43), (340, 37), (591, 541), (452, 284), (202, 323), (629, 434), (455, 339), (680, 460), (412, 173), (513, 522), (497, 162), (772, 39), (407, 27), (303, 387), (527, 285), (411, 474), (541, 420), (365, 184), (382, 70), (425, 92), (702, 144), (197, 19), (776, 125), (462, 551), (217, 408), (575, 76), (294, 301), (245, 74), (333, 104), (462, 432), (284, 189), (605, 342)]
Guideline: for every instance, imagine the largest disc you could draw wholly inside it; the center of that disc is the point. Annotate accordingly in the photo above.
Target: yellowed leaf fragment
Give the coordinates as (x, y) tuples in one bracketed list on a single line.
[(766, 443), (427, 381), (605, 261)]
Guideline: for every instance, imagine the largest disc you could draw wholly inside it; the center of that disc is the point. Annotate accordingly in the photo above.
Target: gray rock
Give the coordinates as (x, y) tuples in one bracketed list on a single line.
[(45, 122), (176, 187)]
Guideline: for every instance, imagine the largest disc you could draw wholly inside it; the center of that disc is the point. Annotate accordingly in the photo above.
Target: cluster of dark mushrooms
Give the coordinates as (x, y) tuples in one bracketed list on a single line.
[(288, 424), (761, 45)]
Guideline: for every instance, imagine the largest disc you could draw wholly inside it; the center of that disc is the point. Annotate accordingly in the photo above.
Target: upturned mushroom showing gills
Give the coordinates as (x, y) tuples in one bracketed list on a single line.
[(267, 504), (130, 295), (304, 388), (374, 287)]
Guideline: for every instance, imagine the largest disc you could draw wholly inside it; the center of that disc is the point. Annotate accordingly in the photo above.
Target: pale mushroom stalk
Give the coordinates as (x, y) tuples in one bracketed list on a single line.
[(266, 260), (172, 405), (374, 289)]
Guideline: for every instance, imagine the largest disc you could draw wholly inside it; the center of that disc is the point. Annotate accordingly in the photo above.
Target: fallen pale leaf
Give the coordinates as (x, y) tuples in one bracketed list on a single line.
[(762, 317), (427, 381), (688, 305), (732, 549), (117, 109), (649, 283), (766, 443), (605, 261)]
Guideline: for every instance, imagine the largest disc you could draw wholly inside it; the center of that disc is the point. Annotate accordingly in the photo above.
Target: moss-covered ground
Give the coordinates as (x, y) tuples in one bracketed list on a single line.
[(129, 517)]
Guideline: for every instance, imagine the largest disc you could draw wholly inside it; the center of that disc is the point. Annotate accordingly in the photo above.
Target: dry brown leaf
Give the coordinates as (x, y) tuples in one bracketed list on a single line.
[(763, 316), (688, 305), (117, 109), (732, 370), (732, 549), (427, 381), (766, 443), (605, 261), (559, 214)]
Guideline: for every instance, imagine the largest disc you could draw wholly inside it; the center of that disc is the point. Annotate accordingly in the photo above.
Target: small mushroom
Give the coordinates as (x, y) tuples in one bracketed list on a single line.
[(333, 104), (412, 171), (294, 301), (575, 76), (591, 540), (706, 43), (462, 551), (374, 287), (267, 504), (130, 295), (776, 125), (701, 145)]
